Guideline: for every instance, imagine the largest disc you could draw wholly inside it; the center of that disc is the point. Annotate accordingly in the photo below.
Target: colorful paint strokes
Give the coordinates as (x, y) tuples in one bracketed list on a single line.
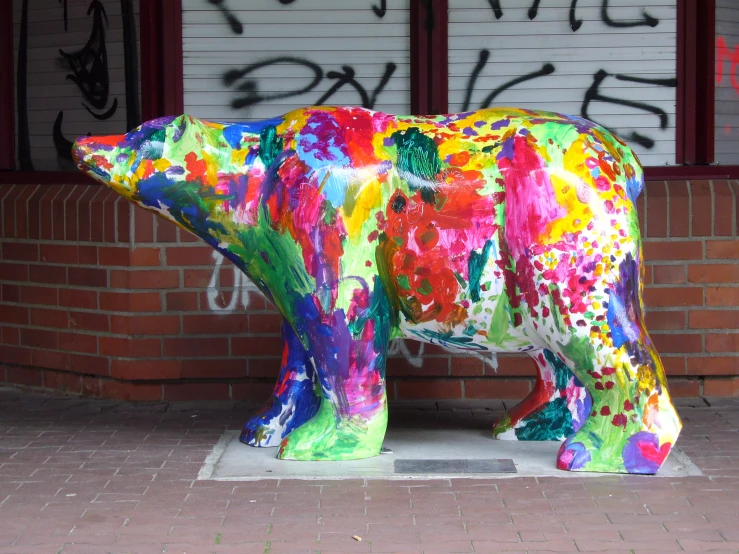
[(500, 230)]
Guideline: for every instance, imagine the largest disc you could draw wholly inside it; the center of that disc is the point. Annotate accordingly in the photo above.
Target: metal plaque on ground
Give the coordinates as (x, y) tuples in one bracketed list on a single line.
[(437, 467)]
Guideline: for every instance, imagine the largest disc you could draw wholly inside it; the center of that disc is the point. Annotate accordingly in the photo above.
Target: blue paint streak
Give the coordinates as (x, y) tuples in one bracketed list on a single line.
[(581, 455), (233, 135), (634, 187), (294, 400), (506, 151), (634, 460)]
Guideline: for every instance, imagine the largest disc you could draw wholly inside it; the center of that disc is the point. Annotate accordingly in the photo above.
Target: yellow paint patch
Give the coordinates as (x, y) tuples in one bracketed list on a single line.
[(162, 164), (367, 199), (296, 119), (211, 171), (577, 214), (238, 157)]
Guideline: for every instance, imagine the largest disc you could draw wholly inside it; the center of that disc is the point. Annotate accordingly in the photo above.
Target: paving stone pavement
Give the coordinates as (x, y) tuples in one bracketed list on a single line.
[(82, 475)]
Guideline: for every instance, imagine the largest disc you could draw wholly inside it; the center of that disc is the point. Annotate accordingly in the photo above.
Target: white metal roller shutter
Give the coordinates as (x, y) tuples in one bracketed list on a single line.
[(542, 63), (260, 61), (727, 82), (50, 91)]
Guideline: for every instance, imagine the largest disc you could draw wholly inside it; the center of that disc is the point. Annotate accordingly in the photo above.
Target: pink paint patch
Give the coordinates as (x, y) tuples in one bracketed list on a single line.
[(603, 184), (530, 201), (651, 453), (565, 459)]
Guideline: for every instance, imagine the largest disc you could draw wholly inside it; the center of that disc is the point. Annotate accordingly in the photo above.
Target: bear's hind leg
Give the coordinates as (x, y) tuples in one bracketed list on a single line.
[(556, 408), (294, 400), (632, 424)]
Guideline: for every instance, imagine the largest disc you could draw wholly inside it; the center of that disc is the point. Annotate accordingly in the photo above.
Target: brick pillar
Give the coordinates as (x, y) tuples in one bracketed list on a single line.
[(692, 293)]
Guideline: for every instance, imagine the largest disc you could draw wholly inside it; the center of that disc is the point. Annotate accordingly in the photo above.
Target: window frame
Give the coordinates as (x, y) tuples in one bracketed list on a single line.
[(160, 36), (162, 84)]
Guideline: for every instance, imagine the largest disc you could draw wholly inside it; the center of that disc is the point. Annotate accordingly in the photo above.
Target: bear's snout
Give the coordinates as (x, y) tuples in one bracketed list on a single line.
[(94, 155), (81, 152)]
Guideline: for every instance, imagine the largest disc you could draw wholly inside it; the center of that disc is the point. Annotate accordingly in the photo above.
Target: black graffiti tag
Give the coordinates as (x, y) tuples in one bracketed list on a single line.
[(575, 23), (495, 6), (66, 14), (233, 22), (648, 20), (250, 87), (89, 67), (347, 76), (381, 9), (593, 95), (547, 69)]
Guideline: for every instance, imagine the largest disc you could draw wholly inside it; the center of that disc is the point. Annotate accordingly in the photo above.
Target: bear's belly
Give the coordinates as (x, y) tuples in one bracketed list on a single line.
[(477, 317)]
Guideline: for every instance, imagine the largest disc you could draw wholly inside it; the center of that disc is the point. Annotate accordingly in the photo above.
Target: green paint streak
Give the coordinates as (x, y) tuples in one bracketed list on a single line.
[(580, 351), (381, 314), (418, 155), (384, 252), (218, 538), (329, 437), (404, 282), (191, 195), (501, 322), (476, 265), (562, 373), (350, 198), (596, 439), (428, 195), (274, 262), (503, 425), (270, 145), (448, 337), (425, 287), (556, 315), (552, 422)]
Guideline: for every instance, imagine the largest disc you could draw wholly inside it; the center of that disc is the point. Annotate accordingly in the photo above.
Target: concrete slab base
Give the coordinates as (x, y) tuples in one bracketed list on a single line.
[(232, 461)]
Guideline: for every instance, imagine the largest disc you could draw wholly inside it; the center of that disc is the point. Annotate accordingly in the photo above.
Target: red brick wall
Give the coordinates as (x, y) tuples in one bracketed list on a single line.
[(102, 298)]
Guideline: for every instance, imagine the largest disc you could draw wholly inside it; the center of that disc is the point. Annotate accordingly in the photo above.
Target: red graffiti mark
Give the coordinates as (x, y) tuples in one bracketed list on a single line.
[(723, 53)]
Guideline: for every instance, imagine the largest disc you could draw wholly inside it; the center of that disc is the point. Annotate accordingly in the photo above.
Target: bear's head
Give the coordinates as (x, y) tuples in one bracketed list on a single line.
[(186, 170)]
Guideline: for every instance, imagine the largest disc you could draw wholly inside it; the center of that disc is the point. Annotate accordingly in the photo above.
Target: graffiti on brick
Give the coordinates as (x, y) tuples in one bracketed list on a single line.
[(227, 301)]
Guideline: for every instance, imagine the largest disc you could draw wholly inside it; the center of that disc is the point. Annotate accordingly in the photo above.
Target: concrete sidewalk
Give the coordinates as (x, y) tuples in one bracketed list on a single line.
[(81, 475)]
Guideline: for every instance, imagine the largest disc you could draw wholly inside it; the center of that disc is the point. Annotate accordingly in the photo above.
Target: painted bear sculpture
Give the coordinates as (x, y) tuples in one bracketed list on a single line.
[(502, 230)]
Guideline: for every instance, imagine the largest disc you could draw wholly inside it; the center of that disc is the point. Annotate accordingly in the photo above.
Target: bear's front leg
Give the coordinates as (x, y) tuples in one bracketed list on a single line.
[(349, 357), (294, 401)]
